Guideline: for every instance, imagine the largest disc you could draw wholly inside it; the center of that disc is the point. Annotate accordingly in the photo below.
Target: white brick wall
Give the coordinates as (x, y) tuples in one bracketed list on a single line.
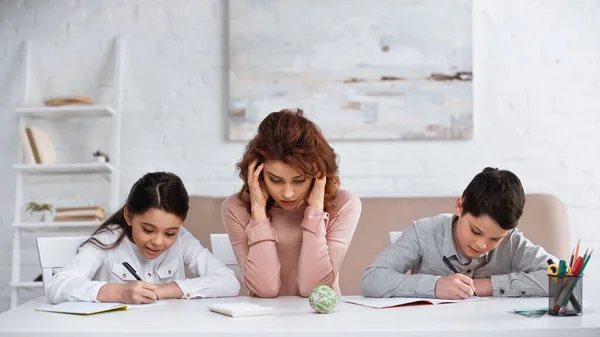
[(537, 78)]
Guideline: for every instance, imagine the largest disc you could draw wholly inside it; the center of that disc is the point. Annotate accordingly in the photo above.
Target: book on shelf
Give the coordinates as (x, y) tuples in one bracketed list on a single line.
[(38, 147), (76, 218), (68, 100), (82, 208), (28, 157), (90, 213)]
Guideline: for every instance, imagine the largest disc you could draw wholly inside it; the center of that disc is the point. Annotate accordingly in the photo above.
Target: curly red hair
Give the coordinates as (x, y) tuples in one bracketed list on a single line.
[(291, 138)]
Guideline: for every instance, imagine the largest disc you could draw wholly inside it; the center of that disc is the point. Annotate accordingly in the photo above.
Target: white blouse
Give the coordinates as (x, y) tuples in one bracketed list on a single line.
[(93, 267)]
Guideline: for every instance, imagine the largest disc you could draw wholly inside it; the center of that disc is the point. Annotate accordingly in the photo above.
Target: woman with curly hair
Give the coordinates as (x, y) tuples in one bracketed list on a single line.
[(290, 225)]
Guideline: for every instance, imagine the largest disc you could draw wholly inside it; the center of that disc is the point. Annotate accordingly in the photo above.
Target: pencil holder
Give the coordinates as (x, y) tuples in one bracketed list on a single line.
[(565, 295)]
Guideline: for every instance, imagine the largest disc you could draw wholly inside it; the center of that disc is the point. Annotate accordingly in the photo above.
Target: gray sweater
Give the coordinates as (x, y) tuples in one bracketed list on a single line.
[(517, 267)]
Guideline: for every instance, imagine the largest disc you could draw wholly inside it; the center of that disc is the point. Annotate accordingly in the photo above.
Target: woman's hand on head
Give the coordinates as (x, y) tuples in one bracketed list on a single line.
[(316, 197), (258, 191)]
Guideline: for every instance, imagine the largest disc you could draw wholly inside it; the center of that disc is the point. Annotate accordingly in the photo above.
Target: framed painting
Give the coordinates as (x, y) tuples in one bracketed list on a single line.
[(361, 70)]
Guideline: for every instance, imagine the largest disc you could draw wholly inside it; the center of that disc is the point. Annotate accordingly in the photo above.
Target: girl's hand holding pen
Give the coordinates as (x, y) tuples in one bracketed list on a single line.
[(145, 285), (138, 292)]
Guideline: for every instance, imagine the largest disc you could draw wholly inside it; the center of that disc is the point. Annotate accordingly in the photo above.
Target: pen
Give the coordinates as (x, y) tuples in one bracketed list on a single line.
[(562, 268), (572, 258), (553, 266), (132, 271), (552, 270), (451, 266), (577, 265)]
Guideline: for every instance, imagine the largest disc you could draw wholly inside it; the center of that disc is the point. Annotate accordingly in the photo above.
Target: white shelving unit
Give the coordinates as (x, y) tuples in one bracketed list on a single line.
[(67, 111), (51, 225), (68, 168), (109, 170)]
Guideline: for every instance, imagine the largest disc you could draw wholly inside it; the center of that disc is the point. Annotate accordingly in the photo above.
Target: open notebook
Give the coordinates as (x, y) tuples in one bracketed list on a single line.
[(89, 308), (380, 303)]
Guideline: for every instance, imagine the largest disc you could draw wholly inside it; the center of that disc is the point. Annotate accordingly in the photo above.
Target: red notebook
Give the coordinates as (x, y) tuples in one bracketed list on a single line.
[(381, 303)]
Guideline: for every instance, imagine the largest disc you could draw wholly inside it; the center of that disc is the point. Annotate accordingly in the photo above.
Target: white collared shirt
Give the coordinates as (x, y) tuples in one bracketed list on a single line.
[(93, 267)]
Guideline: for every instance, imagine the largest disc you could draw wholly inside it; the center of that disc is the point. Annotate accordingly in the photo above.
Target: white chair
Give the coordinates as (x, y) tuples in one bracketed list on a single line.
[(56, 252), (223, 251), (394, 236)]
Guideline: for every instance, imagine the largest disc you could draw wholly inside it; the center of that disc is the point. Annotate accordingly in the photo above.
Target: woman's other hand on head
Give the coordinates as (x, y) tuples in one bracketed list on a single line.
[(258, 191), (316, 198)]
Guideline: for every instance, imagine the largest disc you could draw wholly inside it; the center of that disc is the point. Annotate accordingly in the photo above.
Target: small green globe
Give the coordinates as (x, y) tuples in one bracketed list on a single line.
[(323, 299)]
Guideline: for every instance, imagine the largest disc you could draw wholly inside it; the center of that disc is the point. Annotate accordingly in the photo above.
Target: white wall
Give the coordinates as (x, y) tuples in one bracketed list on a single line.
[(537, 77)]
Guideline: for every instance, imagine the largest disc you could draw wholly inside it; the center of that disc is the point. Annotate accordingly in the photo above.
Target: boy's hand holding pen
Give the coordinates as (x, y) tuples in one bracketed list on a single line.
[(455, 286)]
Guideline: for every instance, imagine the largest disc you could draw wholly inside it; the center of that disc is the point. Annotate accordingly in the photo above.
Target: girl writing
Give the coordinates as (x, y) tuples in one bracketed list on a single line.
[(147, 234)]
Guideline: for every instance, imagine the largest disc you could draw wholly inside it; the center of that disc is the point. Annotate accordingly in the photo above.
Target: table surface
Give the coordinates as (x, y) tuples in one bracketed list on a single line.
[(294, 317)]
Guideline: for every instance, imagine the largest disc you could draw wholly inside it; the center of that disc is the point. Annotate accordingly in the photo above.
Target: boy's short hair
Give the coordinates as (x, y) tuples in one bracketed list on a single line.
[(496, 193)]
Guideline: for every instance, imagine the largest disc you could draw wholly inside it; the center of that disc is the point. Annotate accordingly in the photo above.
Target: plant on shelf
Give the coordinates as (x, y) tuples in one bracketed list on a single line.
[(101, 156), (45, 211)]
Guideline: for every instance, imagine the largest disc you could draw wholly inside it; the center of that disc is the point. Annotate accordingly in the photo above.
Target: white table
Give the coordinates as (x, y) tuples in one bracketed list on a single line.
[(294, 317)]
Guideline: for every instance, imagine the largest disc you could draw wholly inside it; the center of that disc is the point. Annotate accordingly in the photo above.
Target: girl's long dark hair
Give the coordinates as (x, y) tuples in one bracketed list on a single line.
[(161, 190)]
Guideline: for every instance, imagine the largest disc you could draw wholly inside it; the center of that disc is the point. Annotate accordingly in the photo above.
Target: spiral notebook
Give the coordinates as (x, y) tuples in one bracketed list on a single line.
[(90, 308)]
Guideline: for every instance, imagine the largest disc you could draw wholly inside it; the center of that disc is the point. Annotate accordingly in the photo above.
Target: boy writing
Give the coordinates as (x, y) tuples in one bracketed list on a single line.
[(479, 240)]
